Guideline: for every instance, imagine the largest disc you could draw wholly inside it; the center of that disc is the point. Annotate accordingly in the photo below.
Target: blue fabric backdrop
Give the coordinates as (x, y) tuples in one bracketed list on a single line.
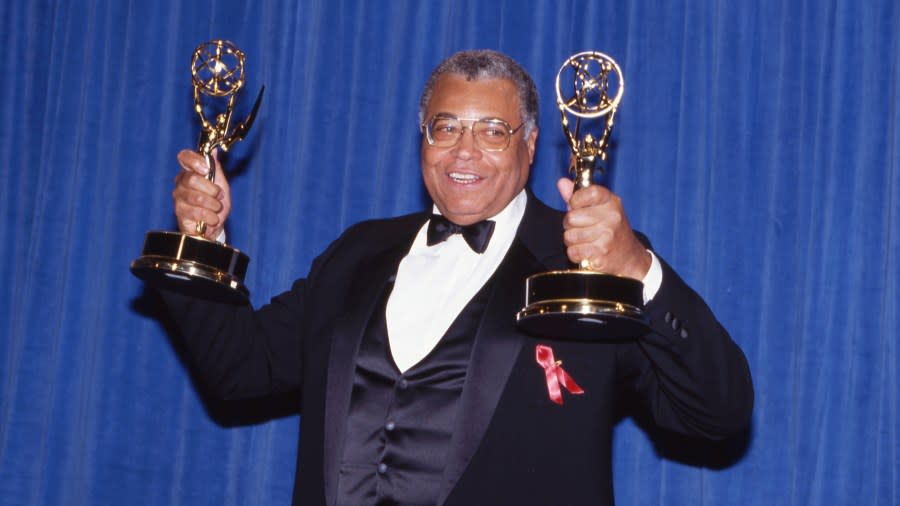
[(758, 145)]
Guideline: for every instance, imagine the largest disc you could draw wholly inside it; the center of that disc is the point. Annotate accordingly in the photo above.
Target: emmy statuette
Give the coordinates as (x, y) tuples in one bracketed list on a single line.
[(191, 263), (582, 304)]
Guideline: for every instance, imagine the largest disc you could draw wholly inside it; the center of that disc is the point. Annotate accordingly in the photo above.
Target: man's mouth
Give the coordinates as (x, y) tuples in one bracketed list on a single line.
[(464, 178)]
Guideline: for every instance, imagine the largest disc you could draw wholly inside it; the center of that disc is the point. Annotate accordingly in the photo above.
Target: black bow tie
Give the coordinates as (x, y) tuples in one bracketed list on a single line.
[(477, 235)]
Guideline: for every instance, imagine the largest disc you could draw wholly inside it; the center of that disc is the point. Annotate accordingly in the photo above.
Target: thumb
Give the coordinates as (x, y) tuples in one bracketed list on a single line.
[(193, 161), (566, 188)]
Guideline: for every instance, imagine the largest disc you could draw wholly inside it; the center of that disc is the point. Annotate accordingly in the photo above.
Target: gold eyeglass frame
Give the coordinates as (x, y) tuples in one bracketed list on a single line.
[(426, 128)]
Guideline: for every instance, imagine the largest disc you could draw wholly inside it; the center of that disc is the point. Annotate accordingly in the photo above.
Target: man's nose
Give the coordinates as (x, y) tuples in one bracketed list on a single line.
[(467, 147)]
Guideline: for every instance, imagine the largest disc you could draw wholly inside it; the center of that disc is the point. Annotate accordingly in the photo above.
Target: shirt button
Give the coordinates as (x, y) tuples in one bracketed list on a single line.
[(382, 468), (389, 426), (403, 384)]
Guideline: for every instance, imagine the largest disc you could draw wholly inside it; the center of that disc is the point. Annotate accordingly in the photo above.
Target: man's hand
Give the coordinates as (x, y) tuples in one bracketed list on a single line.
[(197, 199), (597, 229)]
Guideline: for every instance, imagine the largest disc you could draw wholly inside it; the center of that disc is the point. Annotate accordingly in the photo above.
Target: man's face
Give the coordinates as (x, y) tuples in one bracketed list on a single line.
[(467, 183)]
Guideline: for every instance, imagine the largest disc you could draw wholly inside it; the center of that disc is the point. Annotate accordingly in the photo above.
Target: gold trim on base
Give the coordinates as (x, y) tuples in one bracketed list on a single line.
[(584, 307), (186, 269)]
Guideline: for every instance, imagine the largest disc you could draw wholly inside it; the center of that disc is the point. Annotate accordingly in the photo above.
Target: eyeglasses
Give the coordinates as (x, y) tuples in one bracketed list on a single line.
[(491, 134)]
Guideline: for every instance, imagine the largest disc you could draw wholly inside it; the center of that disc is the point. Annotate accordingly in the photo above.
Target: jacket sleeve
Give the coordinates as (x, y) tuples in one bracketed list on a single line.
[(688, 373), (239, 352)]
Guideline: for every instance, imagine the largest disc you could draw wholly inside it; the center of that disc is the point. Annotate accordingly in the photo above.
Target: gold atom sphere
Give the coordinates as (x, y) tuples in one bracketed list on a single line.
[(217, 68)]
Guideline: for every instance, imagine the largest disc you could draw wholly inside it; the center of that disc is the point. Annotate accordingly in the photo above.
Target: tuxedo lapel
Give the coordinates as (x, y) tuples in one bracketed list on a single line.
[(497, 341), (370, 282)]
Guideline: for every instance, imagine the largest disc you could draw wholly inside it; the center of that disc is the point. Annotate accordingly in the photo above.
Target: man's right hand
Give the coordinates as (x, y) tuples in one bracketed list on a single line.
[(199, 200)]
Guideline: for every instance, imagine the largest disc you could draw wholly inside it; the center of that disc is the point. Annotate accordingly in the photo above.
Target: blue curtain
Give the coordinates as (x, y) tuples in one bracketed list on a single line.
[(757, 144)]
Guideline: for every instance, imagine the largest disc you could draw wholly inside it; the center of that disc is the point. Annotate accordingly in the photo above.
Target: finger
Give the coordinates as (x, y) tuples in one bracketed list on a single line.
[(188, 182), (188, 218), (566, 187), (596, 218), (581, 254), (598, 237), (190, 197), (593, 195), (189, 203)]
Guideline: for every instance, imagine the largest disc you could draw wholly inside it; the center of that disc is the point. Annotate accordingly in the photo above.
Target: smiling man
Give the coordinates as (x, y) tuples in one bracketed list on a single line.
[(473, 177), (416, 386)]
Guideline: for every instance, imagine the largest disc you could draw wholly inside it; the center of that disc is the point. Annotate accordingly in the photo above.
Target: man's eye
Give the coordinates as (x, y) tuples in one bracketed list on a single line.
[(493, 131), (445, 128)]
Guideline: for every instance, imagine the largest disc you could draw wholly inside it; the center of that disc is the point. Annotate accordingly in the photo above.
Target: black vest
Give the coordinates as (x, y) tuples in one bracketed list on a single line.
[(399, 425)]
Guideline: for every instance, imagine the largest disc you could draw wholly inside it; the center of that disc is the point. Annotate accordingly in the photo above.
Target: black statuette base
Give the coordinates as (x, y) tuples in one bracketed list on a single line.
[(194, 266), (583, 305)]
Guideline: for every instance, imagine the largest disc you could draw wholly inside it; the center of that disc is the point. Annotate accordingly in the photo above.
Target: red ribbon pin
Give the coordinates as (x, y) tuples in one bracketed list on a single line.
[(555, 374)]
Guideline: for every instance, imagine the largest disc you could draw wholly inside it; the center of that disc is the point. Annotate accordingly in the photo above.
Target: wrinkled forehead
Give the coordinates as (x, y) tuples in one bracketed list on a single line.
[(463, 97)]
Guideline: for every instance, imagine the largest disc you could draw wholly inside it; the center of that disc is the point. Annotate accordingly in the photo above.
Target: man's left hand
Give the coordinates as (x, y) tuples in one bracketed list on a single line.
[(597, 229)]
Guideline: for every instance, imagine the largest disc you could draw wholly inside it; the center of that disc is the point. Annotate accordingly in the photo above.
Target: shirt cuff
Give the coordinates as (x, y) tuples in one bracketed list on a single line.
[(653, 279), (221, 240)]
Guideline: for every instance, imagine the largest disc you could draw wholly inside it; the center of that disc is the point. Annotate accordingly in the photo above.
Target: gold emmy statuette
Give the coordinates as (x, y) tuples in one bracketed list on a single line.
[(190, 263), (583, 304)]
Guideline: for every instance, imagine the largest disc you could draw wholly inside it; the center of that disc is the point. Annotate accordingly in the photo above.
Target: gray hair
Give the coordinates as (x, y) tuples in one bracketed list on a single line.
[(478, 64)]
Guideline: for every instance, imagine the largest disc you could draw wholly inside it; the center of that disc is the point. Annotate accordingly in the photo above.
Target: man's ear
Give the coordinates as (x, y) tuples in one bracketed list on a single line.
[(531, 142)]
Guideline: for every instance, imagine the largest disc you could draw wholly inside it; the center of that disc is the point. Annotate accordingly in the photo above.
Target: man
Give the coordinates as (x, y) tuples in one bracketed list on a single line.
[(416, 385)]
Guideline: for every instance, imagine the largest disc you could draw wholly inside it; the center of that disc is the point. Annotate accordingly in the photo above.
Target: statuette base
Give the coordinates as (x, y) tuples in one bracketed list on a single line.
[(193, 266), (583, 305)]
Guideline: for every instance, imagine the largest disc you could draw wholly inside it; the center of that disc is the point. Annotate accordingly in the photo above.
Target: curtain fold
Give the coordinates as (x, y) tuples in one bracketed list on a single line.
[(757, 145)]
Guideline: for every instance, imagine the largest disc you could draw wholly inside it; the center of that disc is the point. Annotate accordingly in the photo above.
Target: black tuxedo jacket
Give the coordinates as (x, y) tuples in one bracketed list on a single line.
[(512, 444)]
